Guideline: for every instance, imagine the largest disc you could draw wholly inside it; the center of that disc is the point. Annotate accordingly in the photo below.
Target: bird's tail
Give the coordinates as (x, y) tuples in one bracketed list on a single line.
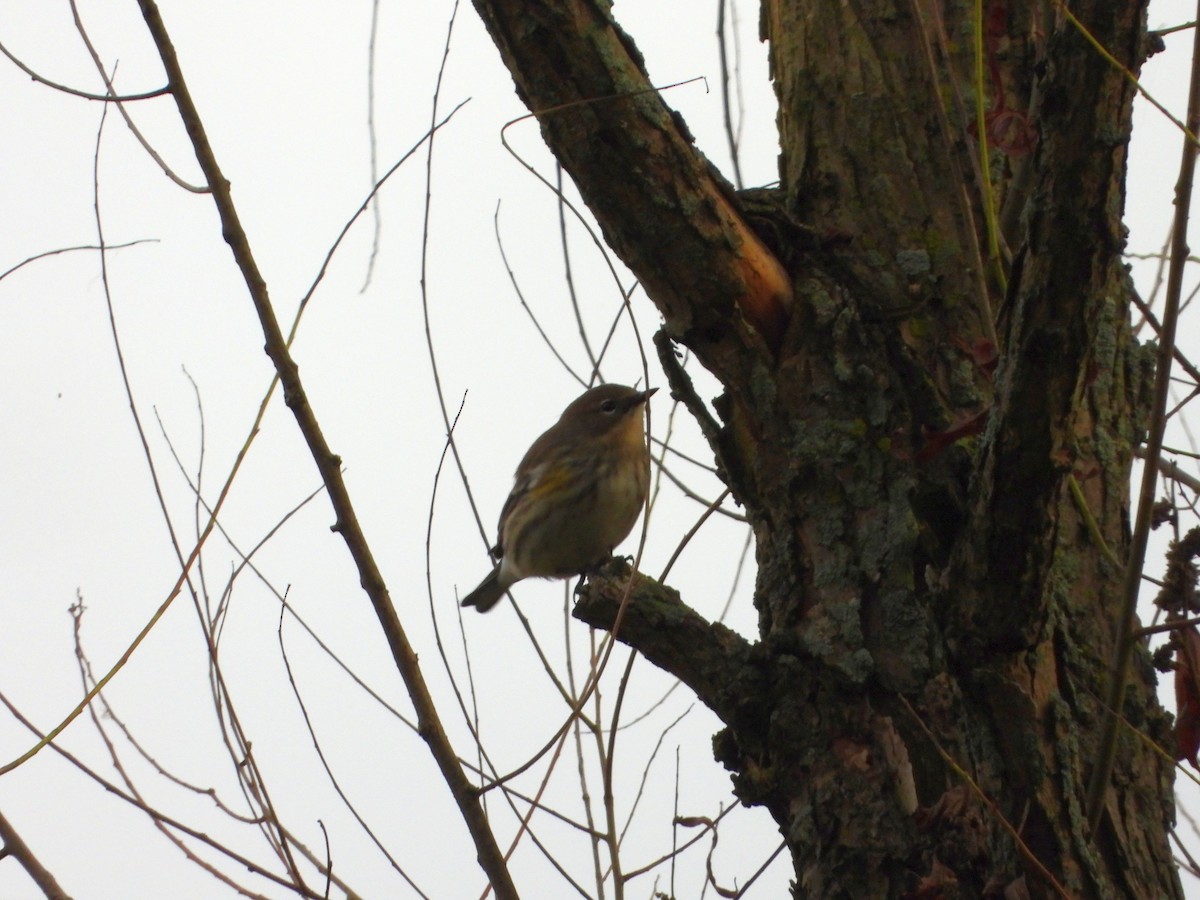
[(488, 594)]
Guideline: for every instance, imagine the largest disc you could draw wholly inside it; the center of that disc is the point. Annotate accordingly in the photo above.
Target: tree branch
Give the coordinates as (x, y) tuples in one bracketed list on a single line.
[(15, 847), (430, 727), (664, 209), (706, 656)]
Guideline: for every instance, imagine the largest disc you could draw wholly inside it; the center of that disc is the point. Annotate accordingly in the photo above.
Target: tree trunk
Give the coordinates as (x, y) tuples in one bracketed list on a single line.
[(932, 441)]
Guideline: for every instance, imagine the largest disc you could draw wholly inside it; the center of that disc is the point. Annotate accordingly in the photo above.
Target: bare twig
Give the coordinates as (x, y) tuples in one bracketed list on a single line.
[(373, 141), (329, 464), (568, 275), (731, 136), (637, 797), (133, 129), (512, 279), (109, 714), (74, 92), (987, 801), (1119, 675), (15, 847), (585, 795), (333, 781), (1170, 469), (1171, 29), (248, 772), (1189, 129), (48, 253), (691, 533), (1150, 319), (251, 866)]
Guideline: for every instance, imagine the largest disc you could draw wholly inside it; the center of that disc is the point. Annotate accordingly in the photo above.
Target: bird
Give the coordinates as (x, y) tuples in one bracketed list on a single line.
[(576, 494)]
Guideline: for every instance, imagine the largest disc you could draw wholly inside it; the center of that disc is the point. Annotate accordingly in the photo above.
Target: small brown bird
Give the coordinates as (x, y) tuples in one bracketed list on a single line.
[(577, 493)]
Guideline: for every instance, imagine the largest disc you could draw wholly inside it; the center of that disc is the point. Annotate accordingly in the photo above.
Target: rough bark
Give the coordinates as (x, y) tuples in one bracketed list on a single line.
[(902, 421)]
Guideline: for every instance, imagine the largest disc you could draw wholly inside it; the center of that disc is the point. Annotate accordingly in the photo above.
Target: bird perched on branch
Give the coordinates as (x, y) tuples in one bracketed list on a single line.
[(576, 495)]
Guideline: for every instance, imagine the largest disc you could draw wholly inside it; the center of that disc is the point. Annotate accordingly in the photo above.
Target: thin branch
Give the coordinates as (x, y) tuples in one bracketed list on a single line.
[(109, 714), (74, 92), (1170, 469), (760, 870), (1152, 321), (49, 253), (512, 278), (1189, 130), (373, 141), (248, 864), (637, 797), (706, 823), (1119, 675), (970, 782), (713, 505), (112, 91), (568, 275), (15, 847), (608, 755), (329, 464), (248, 770), (691, 533), (333, 781), (726, 104), (1162, 32), (367, 203)]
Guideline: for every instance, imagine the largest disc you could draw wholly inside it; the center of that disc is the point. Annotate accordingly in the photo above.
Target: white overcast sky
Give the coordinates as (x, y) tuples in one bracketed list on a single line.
[(284, 96)]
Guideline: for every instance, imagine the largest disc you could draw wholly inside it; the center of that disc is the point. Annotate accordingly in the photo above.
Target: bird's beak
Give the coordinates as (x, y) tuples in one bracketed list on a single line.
[(645, 395)]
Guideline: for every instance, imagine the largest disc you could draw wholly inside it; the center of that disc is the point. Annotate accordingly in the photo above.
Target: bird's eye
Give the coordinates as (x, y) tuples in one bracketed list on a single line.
[(609, 406)]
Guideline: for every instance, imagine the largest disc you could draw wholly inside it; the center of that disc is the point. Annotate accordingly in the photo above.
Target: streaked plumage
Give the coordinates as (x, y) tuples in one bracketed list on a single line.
[(577, 493)]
